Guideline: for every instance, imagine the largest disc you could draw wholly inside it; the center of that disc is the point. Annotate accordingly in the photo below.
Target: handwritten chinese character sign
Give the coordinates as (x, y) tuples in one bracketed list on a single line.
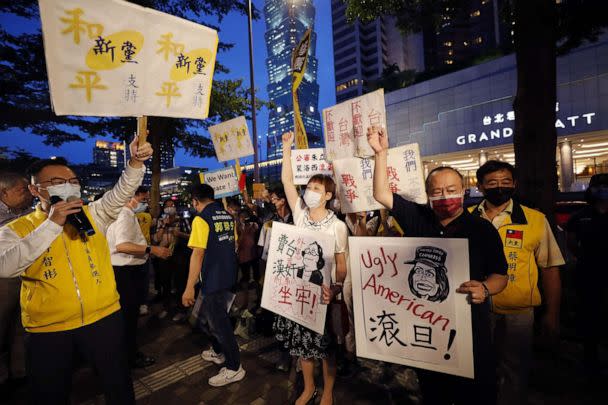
[(354, 178), (114, 58), (345, 125), (223, 181), (231, 139), (299, 262), (305, 163), (406, 307)]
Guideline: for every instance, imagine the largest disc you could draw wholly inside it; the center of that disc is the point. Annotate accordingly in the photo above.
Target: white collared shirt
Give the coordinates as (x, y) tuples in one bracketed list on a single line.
[(125, 229)]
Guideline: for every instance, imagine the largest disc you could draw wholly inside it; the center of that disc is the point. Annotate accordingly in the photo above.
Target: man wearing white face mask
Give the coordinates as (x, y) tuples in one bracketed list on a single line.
[(446, 218), (69, 300)]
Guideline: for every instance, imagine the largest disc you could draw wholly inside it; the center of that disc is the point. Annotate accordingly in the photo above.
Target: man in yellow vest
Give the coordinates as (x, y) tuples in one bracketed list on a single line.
[(528, 244), (69, 301)]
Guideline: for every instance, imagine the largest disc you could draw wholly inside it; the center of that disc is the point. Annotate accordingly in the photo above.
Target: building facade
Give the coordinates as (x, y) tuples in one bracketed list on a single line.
[(363, 51), (465, 118), (109, 154), (286, 22)]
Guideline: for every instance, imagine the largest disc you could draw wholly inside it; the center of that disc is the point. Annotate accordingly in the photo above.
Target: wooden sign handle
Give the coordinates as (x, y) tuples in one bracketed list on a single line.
[(142, 129)]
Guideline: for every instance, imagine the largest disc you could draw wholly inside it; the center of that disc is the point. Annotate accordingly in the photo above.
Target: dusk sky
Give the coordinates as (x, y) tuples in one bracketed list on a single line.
[(233, 30)]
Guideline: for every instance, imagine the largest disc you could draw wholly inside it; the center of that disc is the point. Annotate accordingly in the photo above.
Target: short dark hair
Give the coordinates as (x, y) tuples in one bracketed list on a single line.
[(279, 192), (202, 192), (427, 182), (141, 190), (492, 166), (233, 202), (35, 168)]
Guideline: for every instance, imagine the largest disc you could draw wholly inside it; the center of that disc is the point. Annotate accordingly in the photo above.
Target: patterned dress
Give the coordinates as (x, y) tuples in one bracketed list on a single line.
[(299, 340)]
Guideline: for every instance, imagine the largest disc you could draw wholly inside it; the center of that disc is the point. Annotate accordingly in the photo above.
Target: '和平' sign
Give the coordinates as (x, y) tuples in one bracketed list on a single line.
[(405, 305)]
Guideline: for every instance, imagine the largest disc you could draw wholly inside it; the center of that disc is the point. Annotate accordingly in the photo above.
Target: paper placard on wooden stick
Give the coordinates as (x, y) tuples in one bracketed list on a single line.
[(258, 190), (115, 58), (305, 163), (406, 307), (223, 181), (231, 139), (299, 262), (355, 183), (345, 125)]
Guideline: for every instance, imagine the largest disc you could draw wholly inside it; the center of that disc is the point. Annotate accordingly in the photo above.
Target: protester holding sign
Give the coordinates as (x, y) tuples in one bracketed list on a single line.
[(446, 218), (311, 212)]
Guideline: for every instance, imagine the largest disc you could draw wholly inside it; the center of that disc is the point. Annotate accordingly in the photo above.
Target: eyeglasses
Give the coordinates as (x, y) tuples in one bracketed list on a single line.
[(58, 181)]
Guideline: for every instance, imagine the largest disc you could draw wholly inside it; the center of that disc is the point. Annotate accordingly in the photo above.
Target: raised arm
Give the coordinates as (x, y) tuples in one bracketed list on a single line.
[(378, 140), (106, 209), (286, 173)]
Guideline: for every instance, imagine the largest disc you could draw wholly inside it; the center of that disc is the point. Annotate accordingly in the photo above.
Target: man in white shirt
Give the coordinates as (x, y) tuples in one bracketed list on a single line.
[(129, 251)]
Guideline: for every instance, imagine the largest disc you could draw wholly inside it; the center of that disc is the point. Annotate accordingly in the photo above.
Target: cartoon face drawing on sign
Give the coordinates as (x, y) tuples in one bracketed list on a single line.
[(428, 278), (312, 257)]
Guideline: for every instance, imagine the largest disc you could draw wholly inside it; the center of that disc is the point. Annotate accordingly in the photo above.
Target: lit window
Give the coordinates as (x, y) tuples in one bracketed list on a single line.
[(478, 40), (465, 43), (449, 61), (475, 13), (447, 43), (450, 52)]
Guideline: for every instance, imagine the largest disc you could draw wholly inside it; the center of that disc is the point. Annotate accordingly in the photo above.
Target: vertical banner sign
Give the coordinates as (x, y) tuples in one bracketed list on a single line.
[(354, 178), (305, 163), (224, 182), (406, 307), (345, 125), (115, 58), (299, 262), (231, 139), (298, 67)]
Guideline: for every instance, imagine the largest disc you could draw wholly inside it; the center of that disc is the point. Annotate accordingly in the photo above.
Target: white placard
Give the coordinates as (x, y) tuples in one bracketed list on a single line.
[(224, 182), (231, 139), (114, 58), (345, 125), (354, 178), (305, 163), (405, 305), (299, 262)]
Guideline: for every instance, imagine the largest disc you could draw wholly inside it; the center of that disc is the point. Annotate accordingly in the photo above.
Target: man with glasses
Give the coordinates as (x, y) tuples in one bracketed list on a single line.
[(69, 301)]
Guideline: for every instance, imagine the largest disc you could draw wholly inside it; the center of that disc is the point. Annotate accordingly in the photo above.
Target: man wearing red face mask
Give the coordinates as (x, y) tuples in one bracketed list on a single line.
[(445, 217)]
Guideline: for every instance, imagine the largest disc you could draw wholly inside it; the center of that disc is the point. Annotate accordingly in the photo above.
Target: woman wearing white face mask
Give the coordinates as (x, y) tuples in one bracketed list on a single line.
[(311, 212)]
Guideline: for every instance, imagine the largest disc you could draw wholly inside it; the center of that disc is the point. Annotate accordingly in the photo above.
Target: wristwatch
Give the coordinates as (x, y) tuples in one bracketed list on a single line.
[(148, 249), (486, 292)]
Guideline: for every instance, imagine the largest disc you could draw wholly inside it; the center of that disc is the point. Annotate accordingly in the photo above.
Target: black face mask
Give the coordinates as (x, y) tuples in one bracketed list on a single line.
[(499, 195)]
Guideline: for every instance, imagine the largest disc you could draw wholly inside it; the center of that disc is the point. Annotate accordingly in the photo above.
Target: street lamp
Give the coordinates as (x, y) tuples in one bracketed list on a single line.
[(256, 168)]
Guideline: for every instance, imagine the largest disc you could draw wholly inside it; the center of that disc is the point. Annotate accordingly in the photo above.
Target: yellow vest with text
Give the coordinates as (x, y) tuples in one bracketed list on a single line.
[(145, 223), (70, 285), (521, 234)]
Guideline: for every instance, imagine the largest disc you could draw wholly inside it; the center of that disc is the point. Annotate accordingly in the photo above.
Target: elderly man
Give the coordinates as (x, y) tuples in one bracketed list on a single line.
[(446, 218), (15, 201), (69, 301)]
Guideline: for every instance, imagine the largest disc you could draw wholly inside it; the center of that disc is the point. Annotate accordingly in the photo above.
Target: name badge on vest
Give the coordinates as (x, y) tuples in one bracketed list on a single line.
[(514, 238)]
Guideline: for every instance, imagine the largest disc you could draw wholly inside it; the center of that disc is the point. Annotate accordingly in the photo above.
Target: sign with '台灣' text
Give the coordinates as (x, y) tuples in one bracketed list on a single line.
[(305, 163), (355, 179), (345, 125), (299, 263), (406, 307), (223, 181), (115, 58)]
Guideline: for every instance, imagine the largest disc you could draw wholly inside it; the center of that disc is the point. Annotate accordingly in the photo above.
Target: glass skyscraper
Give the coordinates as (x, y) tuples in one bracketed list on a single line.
[(286, 22)]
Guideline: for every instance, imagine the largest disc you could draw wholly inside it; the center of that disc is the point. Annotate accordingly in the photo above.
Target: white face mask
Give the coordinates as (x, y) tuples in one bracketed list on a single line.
[(64, 191), (312, 199), (170, 210), (141, 207)]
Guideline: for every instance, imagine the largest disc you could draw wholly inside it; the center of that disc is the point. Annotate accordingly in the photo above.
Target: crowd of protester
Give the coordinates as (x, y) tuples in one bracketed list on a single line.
[(81, 294)]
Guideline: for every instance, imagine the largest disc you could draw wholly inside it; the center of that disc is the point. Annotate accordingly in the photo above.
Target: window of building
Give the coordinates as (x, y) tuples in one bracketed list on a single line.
[(447, 43), (449, 61), (475, 13), (478, 40), (450, 52), (465, 43)]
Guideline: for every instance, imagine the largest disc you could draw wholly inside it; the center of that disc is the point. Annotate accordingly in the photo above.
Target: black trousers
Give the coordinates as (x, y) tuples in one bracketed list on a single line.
[(217, 323), (50, 359), (129, 283)]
